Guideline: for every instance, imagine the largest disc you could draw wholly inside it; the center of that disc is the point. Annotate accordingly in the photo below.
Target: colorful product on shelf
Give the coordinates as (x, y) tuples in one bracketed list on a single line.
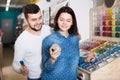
[(107, 23), (106, 51)]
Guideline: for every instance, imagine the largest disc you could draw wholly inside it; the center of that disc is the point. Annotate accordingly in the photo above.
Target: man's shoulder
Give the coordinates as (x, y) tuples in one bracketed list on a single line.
[(46, 26), (21, 36), (47, 29)]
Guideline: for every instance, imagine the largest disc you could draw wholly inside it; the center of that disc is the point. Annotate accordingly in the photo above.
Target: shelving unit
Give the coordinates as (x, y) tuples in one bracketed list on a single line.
[(108, 72), (105, 22), (104, 42), (0, 61)]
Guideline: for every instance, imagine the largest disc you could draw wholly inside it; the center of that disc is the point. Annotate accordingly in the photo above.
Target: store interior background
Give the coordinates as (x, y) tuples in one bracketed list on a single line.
[(9, 22), (81, 9)]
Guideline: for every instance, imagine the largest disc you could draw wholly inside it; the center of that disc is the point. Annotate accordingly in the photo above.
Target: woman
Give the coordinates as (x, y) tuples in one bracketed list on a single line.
[(61, 62)]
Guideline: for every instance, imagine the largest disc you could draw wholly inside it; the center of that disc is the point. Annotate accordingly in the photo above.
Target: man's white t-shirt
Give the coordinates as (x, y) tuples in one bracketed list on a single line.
[(28, 47)]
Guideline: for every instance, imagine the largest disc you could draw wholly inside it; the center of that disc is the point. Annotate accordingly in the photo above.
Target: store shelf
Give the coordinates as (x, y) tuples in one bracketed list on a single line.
[(0, 61), (104, 42), (107, 72)]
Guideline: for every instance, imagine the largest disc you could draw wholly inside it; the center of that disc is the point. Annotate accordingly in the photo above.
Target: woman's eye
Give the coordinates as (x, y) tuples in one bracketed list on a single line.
[(68, 21), (61, 19)]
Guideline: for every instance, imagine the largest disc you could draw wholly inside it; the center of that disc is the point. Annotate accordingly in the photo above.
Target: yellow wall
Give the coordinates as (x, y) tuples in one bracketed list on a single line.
[(33, 1)]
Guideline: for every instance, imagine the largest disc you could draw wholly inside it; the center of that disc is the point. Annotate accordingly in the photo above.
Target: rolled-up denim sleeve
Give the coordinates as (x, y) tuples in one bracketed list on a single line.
[(46, 56), (81, 60)]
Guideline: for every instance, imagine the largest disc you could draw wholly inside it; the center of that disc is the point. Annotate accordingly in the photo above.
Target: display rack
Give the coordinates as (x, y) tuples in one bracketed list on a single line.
[(104, 42), (0, 61), (105, 22)]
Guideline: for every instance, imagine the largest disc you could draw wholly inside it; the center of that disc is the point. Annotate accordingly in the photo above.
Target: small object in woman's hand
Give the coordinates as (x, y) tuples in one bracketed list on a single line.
[(53, 50), (55, 47)]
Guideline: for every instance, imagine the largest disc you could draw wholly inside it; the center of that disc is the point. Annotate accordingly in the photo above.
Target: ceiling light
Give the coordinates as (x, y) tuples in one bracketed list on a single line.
[(7, 5)]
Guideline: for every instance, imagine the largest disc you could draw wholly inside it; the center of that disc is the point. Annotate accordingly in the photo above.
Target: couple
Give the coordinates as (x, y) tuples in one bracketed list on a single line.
[(33, 49)]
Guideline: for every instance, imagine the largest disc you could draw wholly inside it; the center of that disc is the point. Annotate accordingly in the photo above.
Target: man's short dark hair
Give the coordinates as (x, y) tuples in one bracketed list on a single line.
[(30, 8)]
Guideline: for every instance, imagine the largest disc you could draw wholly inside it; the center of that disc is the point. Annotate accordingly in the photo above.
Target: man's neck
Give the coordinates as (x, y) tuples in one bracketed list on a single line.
[(37, 33)]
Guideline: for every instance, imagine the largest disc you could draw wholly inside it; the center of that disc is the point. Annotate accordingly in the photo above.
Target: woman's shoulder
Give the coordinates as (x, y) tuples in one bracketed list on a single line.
[(75, 36), (49, 37)]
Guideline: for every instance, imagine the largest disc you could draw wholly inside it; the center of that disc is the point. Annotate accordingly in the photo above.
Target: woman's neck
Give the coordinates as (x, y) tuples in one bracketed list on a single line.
[(64, 33)]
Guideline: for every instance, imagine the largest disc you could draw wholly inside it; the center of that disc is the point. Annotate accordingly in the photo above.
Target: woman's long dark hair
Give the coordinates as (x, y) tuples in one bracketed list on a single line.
[(65, 9)]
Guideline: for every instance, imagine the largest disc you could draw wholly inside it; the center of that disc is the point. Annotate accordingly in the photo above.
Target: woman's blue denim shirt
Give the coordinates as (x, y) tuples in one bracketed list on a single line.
[(66, 65)]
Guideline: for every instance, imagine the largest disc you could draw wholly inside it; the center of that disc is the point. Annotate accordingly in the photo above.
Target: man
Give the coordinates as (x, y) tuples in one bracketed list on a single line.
[(27, 48)]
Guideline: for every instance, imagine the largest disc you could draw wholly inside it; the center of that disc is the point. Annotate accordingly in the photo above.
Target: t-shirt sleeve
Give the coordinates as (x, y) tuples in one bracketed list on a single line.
[(19, 50)]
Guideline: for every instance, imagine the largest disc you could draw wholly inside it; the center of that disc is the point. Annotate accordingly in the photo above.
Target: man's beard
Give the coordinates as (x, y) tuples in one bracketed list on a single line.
[(34, 29)]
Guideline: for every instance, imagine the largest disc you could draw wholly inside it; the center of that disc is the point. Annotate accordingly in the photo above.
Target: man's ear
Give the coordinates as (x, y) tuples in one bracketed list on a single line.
[(25, 20)]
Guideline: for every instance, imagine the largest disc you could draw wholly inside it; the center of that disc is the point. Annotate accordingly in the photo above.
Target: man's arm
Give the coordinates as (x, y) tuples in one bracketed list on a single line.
[(18, 56)]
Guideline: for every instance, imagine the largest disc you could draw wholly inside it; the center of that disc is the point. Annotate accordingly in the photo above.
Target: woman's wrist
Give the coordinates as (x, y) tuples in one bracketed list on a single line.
[(85, 59), (53, 60)]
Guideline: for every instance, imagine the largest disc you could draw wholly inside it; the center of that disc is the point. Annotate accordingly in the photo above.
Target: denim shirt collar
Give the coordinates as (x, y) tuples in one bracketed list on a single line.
[(60, 35)]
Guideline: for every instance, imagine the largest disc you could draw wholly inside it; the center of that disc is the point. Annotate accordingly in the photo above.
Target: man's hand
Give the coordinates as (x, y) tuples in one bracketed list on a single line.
[(24, 70)]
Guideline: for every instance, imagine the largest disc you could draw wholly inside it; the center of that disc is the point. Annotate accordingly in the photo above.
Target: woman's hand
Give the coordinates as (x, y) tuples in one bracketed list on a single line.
[(90, 57), (55, 51)]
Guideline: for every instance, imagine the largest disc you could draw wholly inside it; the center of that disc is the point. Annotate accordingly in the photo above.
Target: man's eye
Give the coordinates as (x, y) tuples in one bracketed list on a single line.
[(33, 19)]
